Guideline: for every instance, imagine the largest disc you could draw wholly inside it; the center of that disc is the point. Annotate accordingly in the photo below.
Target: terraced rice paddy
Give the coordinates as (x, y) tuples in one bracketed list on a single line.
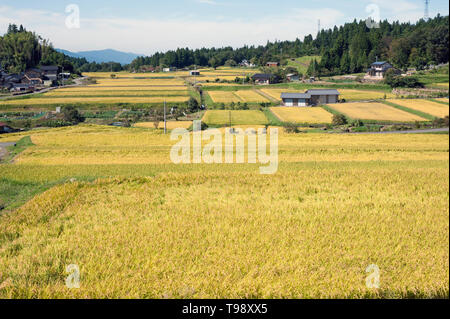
[(139, 226), (219, 117), (309, 115), (375, 111), (429, 107), (137, 82), (93, 100), (276, 93), (125, 92), (246, 96), (170, 125), (358, 95)]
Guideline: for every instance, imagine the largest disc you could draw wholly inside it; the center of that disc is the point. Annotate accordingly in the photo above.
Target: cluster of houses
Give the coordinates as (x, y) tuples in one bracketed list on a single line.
[(31, 80)]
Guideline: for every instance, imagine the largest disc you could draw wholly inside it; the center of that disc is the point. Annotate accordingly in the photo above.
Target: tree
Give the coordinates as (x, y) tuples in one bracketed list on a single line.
[(193, 104), (339, 119), (72, 115)]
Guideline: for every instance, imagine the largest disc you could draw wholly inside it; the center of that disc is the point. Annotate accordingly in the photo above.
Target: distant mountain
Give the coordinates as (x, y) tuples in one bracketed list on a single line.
[(101, 56)]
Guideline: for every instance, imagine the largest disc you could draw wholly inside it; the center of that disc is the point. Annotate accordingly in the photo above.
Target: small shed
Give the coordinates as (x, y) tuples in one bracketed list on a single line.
[(194, 73)]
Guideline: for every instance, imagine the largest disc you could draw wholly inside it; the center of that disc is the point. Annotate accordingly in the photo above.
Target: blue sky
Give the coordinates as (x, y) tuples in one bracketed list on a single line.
[(148, 26)]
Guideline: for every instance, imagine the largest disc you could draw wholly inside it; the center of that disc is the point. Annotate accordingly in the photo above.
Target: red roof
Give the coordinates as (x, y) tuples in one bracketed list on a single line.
[(2, 124)]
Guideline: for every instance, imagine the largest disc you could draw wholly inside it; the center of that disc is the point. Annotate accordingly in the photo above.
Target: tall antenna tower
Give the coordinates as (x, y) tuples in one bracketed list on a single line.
[(427, 10), (319, 27)]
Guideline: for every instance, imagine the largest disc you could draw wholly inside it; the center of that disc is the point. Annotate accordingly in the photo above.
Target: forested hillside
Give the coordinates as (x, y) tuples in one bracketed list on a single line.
[(21, 49), (347, 49)]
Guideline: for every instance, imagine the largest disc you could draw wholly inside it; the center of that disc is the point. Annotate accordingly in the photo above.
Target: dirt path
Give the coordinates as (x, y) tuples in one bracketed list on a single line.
[(3, 151), (434, 130)]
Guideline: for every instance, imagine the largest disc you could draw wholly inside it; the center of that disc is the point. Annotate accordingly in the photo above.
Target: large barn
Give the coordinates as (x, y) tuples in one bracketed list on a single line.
[(310, 98)]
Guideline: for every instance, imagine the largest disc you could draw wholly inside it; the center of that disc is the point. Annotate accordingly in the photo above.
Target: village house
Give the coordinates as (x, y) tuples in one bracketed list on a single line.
[(247, 64), (33, 76), (50, 72), (169, 70), (293, 77), (272, 64), (378, 70), (194, 73), (22, 88), (262, 79), (310, 98)]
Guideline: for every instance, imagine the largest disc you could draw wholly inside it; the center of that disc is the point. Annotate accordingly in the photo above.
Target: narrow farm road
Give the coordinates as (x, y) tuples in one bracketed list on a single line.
[(434, 130), (3, 151)]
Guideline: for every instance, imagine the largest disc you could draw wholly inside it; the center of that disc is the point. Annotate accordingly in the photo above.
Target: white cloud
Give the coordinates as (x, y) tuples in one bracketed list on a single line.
[(211, 2)]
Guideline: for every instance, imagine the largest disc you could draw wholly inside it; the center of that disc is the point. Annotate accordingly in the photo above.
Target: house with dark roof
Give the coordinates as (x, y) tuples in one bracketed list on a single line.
[(310, 98), (262, 79), (378, 69), (50, 72)]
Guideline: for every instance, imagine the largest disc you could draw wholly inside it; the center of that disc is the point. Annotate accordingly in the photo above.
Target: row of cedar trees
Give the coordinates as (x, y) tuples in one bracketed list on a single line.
[(347, 49)]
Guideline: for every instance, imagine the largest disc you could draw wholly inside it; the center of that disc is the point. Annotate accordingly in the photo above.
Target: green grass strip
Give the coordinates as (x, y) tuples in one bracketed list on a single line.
[(407, 109), (437, 101), (21, 146)]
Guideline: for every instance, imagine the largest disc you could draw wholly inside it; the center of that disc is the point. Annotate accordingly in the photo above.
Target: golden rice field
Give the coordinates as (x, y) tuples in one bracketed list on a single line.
[(170, 125), (137, 82), (83, 89), (126, 92), (442, 99), (276, 93), (91, 100), (128, 75), (248, 96), (375, 111), (355, 95), (224, 97), (429, 107), (245, 117), (147, 228), (440, 85), (310, 115)]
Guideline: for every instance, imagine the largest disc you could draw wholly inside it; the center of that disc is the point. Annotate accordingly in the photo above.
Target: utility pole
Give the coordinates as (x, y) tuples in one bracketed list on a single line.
[(165, 118)]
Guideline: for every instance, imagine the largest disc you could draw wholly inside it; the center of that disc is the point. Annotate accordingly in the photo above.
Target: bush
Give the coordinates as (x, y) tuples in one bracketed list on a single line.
[(291, 128), (193, 104), (399, 81), (72, 115), (442, 122), (339, 119)]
